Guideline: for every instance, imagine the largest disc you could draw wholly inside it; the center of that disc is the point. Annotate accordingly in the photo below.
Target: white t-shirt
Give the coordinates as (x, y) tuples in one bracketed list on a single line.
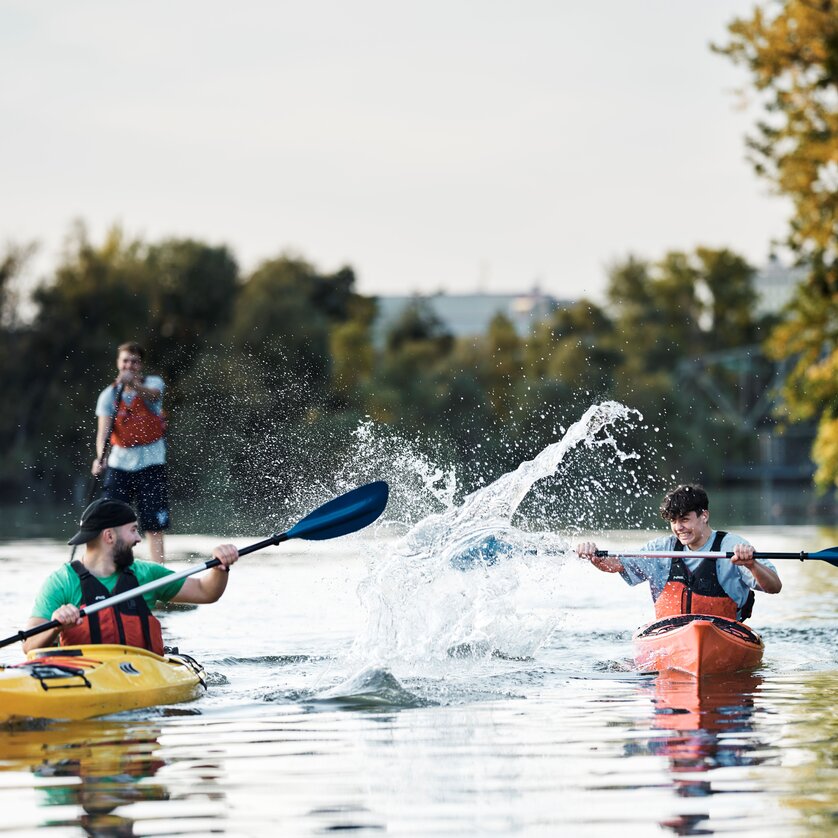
[(138, 456)]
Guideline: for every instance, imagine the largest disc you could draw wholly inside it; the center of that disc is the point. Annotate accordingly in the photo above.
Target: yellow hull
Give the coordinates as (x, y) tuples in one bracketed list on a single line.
[(80, 682)]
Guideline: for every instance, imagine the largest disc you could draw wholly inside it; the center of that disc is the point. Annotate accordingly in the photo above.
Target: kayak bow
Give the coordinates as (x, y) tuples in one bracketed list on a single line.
[(697, 644), (80, 682)]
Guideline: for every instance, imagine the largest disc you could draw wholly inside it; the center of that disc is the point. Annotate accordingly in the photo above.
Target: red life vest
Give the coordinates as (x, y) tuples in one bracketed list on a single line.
[(129, 623), (136, 424), (698, 591)]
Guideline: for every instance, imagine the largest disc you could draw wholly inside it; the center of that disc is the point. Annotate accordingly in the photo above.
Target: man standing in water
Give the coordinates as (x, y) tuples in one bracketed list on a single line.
[(109, 532), (722, 587), (136, 463)]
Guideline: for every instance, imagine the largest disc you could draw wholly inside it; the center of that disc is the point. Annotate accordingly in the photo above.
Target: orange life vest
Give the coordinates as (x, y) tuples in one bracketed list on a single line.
[(129, 623), (136, 424), (698, 591)]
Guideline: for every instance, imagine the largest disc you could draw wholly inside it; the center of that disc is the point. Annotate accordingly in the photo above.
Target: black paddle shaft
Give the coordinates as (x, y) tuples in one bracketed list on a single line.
[(830, 556)]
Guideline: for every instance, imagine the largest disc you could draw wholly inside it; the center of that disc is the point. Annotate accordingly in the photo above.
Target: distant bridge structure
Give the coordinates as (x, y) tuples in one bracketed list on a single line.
[(743, 385)]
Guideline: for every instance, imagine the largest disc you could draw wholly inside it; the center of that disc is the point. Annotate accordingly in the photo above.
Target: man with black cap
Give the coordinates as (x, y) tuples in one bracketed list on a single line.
[(108, 529)]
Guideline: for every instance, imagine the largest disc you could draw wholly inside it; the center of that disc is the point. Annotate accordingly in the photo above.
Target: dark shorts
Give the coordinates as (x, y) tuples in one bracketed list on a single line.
[(146, 490)]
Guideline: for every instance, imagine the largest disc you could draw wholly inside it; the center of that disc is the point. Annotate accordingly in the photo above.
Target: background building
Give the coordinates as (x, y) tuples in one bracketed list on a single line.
[(469, 315)]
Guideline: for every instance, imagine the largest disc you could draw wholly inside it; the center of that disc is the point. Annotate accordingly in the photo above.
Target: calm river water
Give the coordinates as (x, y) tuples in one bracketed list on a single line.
[(313, 724), (381, 683)]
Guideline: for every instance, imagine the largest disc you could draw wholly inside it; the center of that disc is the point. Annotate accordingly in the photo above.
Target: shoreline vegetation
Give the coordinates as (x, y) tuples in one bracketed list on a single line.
[(272, 377)]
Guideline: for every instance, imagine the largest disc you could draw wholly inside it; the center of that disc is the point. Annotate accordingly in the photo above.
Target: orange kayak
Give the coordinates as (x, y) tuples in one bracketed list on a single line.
[(697, 644)]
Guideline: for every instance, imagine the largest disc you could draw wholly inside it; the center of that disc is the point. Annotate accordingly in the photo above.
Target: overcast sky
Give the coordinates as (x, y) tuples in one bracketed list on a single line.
[(456, 145)]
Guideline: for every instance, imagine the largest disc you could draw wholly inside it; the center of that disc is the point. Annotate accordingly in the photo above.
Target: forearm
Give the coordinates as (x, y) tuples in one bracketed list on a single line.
[(100, 444), (204, 589), (210, 586), (607, 564), (214, 583), (766, 578), (101, 436), (39, 641)]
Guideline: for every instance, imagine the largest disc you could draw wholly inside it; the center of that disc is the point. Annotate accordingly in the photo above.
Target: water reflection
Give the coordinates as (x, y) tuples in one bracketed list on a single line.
[(91, 769), (705, 725)]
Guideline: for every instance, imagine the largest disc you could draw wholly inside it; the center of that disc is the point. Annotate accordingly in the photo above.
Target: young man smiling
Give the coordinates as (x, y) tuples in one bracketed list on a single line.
[(691, 585)]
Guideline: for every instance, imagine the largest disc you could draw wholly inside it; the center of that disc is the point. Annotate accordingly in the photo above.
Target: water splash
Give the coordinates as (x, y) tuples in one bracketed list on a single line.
[(424, 604), (417, 483), (370, 689)]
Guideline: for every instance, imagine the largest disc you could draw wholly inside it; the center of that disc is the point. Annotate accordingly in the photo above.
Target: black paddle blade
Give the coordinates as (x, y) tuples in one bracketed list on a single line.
[(348, 513)]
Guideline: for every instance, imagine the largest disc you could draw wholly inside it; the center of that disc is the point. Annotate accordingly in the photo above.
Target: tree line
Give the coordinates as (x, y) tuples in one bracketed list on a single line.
[(268, 373)]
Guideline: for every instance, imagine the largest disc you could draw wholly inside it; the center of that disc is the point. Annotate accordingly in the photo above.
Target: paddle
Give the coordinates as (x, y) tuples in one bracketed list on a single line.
[(830, 555), (343, 515), (106, 449)]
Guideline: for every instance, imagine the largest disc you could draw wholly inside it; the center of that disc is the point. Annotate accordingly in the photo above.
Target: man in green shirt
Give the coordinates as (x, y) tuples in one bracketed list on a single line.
[(109, 532)]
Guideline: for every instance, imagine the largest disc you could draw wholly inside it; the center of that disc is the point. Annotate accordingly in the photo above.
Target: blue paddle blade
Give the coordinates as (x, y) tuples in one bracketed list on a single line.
[(830, 555), (343, 515)]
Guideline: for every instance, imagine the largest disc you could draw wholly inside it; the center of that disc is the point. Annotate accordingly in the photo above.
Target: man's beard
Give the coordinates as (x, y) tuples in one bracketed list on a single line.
[(123, 554)]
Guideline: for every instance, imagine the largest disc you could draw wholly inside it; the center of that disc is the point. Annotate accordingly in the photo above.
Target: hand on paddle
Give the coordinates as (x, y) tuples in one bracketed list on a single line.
[(64, 617), (607, 564), (67, 615), (208, 588), (227, 555), (743, 555), (767, 579)]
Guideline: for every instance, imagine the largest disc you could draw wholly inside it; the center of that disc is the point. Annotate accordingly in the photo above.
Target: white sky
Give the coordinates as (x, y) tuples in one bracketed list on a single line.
[(438, 145)]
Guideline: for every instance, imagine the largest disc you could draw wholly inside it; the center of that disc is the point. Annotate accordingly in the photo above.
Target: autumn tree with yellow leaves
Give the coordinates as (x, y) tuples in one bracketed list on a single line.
[(790, 48)]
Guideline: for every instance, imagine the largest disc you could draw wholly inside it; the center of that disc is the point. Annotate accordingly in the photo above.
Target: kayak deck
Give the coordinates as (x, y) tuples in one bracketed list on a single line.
[(80, 682), (697, 644)]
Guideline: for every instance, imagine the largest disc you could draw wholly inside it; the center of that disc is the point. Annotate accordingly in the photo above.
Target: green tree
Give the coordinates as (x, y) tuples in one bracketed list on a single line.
[(15, 339), (412, 371), (351, 352), (731, 299), (97, 292), (284, 312), (581, 355), (791, 51), (193, 288), (12, 265), (502, 348), (287, 320), (171, 297), (668, 316)]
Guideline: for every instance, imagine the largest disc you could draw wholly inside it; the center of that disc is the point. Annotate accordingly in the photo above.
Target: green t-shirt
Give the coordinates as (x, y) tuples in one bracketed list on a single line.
[(63, 587)]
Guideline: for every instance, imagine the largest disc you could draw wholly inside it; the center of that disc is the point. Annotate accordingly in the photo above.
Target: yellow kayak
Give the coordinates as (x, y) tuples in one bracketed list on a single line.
[(80, 682)]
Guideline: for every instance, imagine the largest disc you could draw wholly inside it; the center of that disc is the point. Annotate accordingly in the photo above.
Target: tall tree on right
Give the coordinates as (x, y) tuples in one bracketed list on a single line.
[(790, 48)]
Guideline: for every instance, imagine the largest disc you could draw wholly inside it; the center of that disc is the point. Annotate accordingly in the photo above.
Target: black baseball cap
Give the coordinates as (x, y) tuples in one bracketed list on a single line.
[(100, 515)]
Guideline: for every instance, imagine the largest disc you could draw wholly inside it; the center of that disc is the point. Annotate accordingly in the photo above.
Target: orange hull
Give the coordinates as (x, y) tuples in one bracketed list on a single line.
[(697, 644)]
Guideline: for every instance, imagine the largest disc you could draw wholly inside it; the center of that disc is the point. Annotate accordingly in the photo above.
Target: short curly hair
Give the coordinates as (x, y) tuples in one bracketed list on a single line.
[(133, 348), (682, 500)]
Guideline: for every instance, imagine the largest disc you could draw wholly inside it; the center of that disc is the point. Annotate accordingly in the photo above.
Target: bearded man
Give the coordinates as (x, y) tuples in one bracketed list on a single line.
[(108, 529)]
